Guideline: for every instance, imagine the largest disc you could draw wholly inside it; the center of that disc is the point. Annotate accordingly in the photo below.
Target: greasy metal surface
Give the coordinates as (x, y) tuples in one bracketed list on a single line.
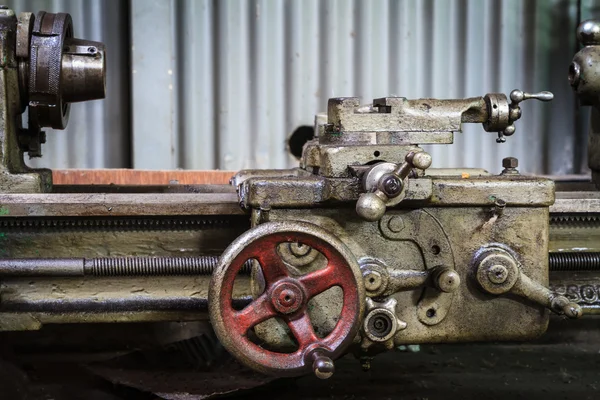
[(391, 115), (425, 231), (498, 272), (14, 175), (261, 243), (98, 296), (47, 106), (311, 190), (521, 228), (115, 204)]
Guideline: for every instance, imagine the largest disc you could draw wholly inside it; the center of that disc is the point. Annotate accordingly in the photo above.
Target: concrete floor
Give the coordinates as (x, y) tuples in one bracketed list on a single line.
[(564, 364)]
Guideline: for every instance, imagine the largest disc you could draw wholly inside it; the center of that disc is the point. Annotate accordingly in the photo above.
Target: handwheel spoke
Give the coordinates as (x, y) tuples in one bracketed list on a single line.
[(318, 281), (254, 313), (272, 266), (302, 330)]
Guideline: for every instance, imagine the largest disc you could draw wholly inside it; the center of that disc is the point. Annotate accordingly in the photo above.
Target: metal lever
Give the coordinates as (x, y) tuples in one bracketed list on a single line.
[(390, 186), (514, 111), (498, 273), (380, 281)]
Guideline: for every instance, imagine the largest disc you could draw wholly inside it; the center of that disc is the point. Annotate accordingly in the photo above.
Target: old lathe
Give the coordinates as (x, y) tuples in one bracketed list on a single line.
[(360, 249)]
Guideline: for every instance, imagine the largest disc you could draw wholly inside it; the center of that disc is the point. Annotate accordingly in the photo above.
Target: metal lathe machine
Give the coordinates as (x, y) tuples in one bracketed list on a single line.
[(360, 249)]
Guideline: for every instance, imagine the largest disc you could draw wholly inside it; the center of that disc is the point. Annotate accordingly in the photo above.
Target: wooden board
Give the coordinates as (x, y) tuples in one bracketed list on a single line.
[(139, 177)]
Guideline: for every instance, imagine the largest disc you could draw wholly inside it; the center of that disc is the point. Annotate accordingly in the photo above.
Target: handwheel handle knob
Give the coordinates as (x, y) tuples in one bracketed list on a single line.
[(322, 366)]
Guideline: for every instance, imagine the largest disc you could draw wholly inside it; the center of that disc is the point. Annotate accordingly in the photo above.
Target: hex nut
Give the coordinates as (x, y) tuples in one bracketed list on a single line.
[(510, 162)]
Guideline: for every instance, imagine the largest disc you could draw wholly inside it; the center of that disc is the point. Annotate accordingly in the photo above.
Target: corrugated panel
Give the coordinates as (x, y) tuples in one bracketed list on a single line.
[(221, 84), (233, 78), (98, 132)]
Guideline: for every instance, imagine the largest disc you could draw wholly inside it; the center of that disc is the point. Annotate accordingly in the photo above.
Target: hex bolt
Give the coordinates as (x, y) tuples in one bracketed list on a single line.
[(510, 162), (497, 274), (391, 185), (510, 165), (396, 224)]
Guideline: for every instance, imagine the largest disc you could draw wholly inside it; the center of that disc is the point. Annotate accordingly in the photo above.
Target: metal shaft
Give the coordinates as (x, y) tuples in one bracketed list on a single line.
[(202, 265), (112, 266), (576, 261)]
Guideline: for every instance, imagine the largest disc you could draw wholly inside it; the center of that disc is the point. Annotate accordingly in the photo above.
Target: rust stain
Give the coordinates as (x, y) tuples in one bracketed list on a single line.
[(138, 177)]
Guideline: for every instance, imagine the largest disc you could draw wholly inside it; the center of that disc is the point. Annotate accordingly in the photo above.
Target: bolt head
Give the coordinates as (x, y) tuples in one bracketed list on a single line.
[(391, 185), (510, 162)]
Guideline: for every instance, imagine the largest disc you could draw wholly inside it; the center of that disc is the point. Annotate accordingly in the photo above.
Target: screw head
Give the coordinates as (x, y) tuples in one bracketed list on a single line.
[(510, 162), (391, 185), (497, 274)]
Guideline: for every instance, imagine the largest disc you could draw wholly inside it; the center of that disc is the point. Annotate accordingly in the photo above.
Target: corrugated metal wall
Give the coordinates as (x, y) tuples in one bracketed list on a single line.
[(220, 84)]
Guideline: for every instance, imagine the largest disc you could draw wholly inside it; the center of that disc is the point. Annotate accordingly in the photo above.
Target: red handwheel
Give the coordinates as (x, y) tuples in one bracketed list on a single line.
[(286, 297)]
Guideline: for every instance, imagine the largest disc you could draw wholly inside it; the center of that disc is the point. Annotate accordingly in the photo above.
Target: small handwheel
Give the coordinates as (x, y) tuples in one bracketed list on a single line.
[(286, 297)]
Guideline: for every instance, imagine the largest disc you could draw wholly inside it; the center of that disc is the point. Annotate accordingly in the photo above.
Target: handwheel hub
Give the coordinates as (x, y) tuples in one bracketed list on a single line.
[(287, 297)]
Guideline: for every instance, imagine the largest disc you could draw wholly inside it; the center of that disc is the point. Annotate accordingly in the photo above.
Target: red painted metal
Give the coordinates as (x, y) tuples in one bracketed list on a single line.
[(286, 297)]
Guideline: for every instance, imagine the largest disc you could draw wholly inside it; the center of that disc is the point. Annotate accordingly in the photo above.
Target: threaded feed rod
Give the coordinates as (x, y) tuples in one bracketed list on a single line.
[(202, 265), (112, 266), (576, 261)]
